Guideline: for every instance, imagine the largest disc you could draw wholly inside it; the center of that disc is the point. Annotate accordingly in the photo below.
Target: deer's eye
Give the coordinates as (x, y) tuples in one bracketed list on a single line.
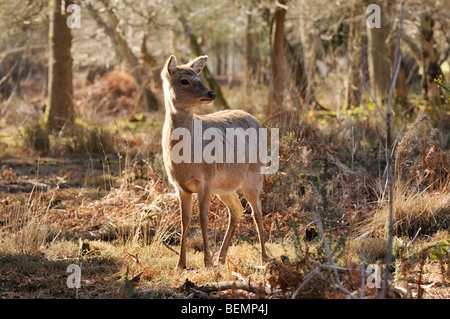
[(184, 82)]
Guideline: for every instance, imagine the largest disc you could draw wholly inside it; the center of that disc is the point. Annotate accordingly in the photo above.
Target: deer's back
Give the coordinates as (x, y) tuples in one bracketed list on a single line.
[(228, 119)]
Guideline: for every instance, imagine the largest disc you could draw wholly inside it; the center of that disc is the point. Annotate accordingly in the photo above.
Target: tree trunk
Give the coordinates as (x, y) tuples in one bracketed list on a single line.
[(231, 56), (378, 57), (218, 57), (430, 59), (298, 74), (59, 111), (278, 63), (350, 98), (248, 56), (401, 89)]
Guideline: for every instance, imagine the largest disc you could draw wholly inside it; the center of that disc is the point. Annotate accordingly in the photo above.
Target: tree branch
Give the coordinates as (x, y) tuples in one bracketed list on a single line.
[(23, 50)]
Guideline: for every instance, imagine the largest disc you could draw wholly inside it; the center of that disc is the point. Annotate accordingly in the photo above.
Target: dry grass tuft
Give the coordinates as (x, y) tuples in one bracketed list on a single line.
[(422, 185), (420, 158), (427, 211)]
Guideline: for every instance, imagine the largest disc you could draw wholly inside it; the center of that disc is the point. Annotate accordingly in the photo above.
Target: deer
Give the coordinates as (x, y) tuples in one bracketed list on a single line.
[(183, 91)]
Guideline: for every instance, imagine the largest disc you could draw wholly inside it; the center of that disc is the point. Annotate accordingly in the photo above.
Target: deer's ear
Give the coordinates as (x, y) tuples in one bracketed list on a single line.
[(171, 65), (198, 63)]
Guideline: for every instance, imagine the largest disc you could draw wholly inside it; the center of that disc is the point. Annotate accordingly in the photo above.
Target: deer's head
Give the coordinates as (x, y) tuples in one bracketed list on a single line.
[(183, 85)]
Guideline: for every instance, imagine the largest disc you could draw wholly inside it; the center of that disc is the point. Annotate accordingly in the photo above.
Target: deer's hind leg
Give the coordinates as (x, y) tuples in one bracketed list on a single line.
[(235, 209), (251, 188)]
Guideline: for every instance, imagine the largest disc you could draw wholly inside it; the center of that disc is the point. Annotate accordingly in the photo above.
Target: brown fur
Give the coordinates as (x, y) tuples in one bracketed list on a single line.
[(202, 178)]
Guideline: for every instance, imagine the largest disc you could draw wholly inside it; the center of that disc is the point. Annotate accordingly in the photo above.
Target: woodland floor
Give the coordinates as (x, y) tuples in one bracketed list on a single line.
[(59, 211)]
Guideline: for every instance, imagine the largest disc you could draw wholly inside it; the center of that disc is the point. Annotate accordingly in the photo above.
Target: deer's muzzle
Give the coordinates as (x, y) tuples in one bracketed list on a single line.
[(211, 97)]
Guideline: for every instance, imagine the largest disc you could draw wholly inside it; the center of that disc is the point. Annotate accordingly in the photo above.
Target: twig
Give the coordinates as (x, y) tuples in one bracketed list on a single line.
[(389, 156), (325, 242), (414, 238), (330, 257), (363, 275), (6, 76), (170, 248), (332, 267), (23, 50), (305, 281), (394, 79), (446, 52)]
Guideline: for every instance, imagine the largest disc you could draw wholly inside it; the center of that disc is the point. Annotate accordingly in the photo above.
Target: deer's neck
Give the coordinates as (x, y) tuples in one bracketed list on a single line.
[(175, 116), (178, 116)]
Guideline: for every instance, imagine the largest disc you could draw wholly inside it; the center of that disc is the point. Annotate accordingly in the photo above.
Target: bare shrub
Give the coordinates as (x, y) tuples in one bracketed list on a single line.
[(113, 93)]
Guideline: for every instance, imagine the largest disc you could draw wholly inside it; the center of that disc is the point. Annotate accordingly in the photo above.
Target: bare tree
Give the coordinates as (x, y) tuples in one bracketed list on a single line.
[(138, 70)]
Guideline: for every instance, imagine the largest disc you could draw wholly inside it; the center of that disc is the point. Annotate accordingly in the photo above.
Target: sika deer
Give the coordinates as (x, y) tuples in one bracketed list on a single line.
[(184, 90)]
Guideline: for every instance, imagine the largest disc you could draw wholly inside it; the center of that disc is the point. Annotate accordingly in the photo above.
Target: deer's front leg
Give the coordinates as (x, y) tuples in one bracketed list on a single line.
[(204, 197), (186, 212)]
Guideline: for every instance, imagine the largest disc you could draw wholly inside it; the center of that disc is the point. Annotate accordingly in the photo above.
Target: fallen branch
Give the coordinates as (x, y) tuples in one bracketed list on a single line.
[(198, 294), (170, 248), (234, 284)]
